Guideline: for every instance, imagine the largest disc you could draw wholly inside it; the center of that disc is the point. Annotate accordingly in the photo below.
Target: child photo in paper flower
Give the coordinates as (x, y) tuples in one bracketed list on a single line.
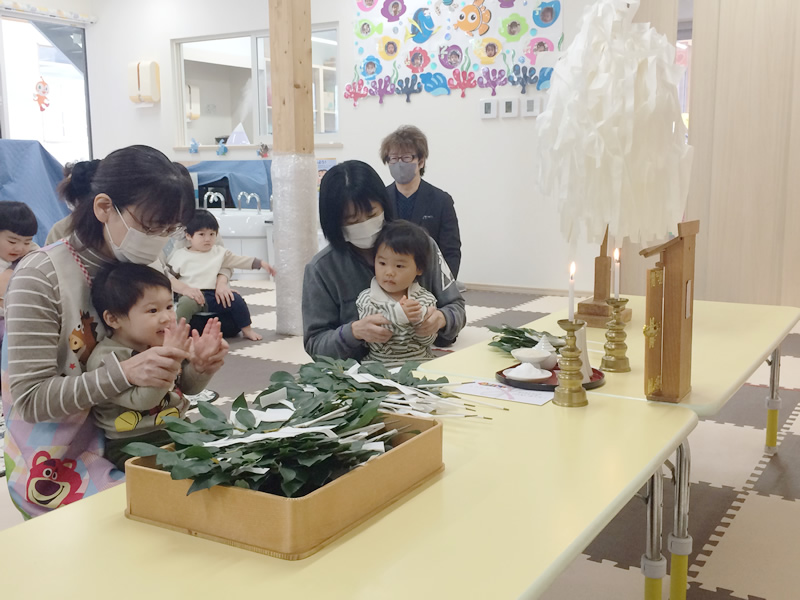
[(370, 68), (418, 60), (450, 56), (488, 50), (536, 46), (389, 48), (547, 13), (513, 27), (366, 4), (393, 10)]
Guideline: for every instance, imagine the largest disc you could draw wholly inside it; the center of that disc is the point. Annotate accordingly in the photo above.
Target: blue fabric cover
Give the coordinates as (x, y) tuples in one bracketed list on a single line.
[(30, 174), (250, 176)]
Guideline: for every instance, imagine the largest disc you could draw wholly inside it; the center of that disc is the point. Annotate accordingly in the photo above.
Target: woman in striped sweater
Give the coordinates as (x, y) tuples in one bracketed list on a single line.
[(125, 207)]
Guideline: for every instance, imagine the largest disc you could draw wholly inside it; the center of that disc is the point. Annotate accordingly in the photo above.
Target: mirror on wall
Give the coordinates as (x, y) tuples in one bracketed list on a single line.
[(227, 87)]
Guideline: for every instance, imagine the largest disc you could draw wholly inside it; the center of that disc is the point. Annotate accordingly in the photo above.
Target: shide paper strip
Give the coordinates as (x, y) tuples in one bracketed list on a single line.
[(612, 145)]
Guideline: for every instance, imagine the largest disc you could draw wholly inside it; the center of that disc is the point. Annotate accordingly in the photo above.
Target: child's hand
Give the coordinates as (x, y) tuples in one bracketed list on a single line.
[(413, 310), (268, 267), (209, 349), (177, 336)]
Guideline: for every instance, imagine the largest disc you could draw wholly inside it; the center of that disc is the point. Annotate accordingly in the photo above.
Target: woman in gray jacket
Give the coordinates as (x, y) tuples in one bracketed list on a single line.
[(353, 206)]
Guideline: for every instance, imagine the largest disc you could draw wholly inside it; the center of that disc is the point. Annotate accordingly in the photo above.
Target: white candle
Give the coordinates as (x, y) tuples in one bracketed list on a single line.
[(616, 273), (572, 292)]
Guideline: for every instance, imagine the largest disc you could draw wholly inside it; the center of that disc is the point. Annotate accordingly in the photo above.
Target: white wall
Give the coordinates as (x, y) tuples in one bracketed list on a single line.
[(510, 237)]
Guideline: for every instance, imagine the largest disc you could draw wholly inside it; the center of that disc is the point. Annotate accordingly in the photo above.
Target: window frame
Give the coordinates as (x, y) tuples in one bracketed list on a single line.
[(5, 119), (328, 139)]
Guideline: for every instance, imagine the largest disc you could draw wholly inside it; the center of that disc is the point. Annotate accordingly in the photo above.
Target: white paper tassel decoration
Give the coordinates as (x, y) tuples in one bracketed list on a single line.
[(612, 143)]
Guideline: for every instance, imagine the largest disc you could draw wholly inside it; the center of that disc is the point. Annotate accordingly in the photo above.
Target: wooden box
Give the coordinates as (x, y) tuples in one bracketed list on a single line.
[(288, 528)]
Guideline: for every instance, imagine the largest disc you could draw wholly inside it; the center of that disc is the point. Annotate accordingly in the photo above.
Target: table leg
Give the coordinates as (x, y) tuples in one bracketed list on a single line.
[(679, 541), (773, 402), (654, 565)]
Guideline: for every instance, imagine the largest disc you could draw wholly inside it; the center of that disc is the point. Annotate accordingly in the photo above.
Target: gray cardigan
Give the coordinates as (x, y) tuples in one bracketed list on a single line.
[(332, 282)]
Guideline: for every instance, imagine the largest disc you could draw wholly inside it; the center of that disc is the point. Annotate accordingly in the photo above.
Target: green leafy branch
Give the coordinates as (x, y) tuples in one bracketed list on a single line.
[(300, 433), (511, 338)]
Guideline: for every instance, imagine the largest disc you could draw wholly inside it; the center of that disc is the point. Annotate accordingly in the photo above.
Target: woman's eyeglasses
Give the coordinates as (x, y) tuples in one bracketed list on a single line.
[(406, 158), (160, 231)]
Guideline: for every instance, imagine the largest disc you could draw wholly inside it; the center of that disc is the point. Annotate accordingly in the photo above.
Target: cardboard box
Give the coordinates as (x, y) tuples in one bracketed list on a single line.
[(288, 528)]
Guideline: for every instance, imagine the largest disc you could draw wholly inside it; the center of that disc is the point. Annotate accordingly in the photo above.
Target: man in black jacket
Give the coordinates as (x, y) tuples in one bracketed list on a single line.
[(406, 152)]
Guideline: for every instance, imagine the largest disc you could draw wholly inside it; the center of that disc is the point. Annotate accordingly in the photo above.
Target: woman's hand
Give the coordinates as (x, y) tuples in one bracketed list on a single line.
[(195, 294), (209, 349), (186, 290), (223, 293), (371, 329), (156, 367), (433, 322)]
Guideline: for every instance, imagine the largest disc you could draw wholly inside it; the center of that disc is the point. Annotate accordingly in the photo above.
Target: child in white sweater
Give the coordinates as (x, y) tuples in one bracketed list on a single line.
[(401, 252), (198, 265)]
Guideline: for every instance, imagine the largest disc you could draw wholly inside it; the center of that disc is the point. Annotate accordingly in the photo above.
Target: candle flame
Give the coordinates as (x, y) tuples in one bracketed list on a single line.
[(572, 269), (616, 254)]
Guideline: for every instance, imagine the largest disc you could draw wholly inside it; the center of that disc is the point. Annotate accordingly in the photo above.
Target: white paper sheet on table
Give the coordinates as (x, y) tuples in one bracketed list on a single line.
[(504, 392)]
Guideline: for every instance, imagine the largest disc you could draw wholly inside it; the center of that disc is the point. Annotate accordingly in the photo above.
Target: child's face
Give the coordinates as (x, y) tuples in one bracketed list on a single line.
[(146, 323), (13, 246), (370, 68), (202, 240), (395, 272)]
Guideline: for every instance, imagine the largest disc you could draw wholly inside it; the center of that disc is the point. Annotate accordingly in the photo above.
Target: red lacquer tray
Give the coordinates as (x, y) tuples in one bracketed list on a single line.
[(548, 385)]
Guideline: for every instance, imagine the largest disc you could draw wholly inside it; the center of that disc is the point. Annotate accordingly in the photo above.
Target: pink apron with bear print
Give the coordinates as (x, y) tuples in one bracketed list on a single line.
[(54, 463)]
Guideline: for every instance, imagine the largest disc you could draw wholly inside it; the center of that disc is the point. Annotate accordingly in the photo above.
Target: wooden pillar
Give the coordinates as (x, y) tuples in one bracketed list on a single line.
[(290, 53), (293, 166)]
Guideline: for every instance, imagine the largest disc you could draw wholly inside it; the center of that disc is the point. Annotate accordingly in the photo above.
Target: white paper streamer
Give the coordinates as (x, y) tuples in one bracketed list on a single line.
[(612, 143), (294, 192)]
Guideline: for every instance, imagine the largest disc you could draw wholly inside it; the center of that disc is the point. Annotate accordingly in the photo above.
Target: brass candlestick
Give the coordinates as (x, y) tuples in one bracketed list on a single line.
[(615, 360), (570, 390)]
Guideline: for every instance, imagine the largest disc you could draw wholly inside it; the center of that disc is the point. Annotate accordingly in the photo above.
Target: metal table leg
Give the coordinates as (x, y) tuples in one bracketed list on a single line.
[(679, 541), (654, 565), (773, 402)]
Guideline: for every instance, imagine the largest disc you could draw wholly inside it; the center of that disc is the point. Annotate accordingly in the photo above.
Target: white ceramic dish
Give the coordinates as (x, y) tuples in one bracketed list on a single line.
[(533, 356), (527, 372)]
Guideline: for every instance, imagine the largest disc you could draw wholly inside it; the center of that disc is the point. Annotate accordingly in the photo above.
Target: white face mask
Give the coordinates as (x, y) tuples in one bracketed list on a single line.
[(137, 247), (363, 235)]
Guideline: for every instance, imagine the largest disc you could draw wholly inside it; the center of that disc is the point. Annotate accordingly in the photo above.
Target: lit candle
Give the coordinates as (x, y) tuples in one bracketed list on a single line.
[(616, 273), (572, 291)]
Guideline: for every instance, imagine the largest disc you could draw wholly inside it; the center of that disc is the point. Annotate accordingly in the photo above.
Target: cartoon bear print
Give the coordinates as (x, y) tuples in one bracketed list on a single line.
[(53, 482)]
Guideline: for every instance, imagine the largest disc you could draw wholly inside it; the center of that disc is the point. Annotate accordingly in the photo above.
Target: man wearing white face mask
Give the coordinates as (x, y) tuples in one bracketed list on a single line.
[(353, 206), (405, 151)]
